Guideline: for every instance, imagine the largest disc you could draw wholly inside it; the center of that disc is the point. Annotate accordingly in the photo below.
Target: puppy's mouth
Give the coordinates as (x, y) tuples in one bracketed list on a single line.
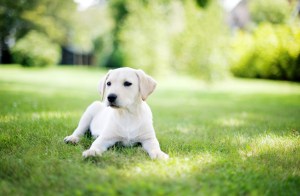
[(113, 105)]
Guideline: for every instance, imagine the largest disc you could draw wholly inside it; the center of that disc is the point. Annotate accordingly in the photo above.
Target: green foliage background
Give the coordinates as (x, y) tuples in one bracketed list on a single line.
[(159, 36), (272, 48), (35, 49), (271, 11), (162, 36), (200, 48), (271, 51)]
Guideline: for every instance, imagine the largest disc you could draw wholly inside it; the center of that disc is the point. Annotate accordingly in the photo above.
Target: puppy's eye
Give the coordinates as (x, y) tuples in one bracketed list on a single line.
[(108, 83), (127, 83)]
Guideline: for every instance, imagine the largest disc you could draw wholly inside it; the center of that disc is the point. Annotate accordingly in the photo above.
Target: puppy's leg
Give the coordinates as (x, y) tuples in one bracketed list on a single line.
[(98, 147), (153, 149), (84, 122)]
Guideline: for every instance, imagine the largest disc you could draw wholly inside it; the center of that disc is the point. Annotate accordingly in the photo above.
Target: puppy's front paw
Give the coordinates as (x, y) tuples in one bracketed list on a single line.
[(159, 155), (91, 153), (71, 139)]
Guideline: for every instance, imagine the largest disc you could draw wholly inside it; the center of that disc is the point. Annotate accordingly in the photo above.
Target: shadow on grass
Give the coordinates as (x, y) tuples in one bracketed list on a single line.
[(117, 156)]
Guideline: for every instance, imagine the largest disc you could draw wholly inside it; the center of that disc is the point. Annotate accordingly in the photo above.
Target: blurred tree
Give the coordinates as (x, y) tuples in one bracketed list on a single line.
[(200, 49), (12, 24), (97, 30), (144, 37), (87, 26), (119, 11), (17, 18), (42, 53), (53, 18), (154, 35), (203, 3), (59, 21), (273, 11), (271, 51), (160, 35)]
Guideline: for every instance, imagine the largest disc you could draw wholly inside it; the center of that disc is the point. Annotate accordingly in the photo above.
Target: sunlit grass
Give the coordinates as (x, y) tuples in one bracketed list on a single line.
[(272, 144), (228, 138)]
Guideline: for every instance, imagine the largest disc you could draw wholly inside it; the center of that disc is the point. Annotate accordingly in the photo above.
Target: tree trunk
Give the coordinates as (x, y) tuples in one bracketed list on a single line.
[(5, 55)]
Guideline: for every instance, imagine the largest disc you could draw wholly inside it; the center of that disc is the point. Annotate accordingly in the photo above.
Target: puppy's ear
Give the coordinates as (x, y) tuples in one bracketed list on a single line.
[(102, 85), (146, 84)]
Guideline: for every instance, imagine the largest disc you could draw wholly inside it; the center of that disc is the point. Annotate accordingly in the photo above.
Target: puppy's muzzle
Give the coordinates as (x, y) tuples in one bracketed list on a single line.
[(112, 98)]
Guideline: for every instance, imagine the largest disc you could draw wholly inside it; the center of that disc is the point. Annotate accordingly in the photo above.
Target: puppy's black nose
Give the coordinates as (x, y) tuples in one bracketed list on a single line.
[(112, 98)]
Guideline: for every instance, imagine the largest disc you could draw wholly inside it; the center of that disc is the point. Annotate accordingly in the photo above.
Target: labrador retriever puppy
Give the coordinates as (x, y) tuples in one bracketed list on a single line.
[(122, 116)]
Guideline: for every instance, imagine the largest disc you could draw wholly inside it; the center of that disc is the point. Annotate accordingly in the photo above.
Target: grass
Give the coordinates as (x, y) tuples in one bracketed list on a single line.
[(238, 137)]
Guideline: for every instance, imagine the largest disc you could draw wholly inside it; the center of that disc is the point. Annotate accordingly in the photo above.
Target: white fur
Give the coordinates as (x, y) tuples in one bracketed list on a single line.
[(128, 120)]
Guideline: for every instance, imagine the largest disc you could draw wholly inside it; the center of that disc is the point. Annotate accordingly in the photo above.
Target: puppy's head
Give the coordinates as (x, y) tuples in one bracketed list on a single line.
[(124, 87)]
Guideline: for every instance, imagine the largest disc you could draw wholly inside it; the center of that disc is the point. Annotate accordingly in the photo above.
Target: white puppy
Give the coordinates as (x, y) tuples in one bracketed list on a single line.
[(122, 116)]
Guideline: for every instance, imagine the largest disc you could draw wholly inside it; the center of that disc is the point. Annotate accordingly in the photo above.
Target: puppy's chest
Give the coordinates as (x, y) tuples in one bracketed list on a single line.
[(129, 131)]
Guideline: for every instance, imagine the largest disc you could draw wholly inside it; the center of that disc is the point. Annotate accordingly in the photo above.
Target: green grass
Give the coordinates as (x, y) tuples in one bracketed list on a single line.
[(237, 137)]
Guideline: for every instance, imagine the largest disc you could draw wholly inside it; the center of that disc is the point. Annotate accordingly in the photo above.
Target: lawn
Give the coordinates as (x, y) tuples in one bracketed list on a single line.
[(236, 137)]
